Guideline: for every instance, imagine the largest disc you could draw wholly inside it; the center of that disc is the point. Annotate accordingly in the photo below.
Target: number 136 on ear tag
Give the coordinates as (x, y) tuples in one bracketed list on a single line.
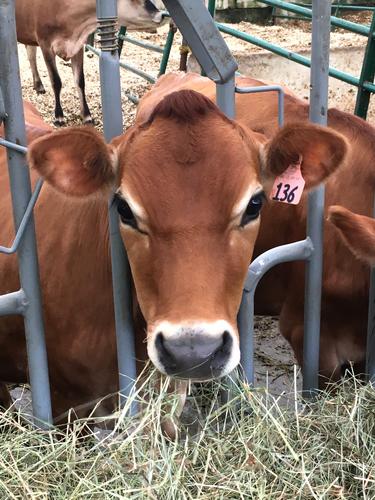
[(288, 187)]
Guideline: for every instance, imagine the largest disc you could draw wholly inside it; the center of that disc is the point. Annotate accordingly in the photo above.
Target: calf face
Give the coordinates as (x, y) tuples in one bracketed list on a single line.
[(139, 14), (190, 185)]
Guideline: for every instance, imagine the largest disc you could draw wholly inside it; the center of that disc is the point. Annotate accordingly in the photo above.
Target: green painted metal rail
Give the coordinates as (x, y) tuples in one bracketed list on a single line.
[(335, 21), (293, 56), (367, 75), (141, 43), (364, 83), (342, 6), (165, 51)]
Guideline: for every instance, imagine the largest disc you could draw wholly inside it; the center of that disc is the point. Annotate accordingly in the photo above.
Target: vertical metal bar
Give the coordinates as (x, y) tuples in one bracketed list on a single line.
[(201, 34), (370, 351), (212, 7), (367, 74), (267, 88), (112, 124), (321, 12), (361, 108), (120, 40), (245, 322), (225, 97), (20, 187), (167, 48)]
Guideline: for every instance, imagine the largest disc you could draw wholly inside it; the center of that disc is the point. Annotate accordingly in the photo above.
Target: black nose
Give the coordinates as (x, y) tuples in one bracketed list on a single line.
[(194, 355)]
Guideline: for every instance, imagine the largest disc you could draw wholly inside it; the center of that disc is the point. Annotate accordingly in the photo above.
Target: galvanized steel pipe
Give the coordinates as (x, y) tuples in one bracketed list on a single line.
[(299, 250), (112, 124), (20, 186), (315, 218)]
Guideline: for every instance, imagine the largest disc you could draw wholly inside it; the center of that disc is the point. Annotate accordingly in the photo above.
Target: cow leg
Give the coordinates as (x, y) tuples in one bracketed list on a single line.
[(79, 79), (37, 82), (50, 60)]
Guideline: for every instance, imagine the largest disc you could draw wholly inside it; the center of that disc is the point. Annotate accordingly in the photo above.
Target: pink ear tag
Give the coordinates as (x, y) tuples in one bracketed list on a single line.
[(288, 187)]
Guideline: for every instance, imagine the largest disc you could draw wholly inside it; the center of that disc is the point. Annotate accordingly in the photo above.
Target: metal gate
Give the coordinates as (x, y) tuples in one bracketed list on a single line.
[(201, 34)]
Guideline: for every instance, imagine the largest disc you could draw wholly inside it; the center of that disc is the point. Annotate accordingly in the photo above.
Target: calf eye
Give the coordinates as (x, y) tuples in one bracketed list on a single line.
[(125, 212), (253, 208)]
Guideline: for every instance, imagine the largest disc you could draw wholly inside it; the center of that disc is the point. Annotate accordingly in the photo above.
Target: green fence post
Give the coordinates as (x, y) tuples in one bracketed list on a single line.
[(367, 74), (120, 42), (212, 7), (167, 48)]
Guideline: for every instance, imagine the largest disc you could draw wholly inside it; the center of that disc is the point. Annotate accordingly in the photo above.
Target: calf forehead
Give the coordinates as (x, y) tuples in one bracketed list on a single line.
[(177, 170)]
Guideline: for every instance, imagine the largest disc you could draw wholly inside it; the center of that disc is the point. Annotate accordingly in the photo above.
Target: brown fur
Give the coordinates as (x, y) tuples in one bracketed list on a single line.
[(187, 106), (188, 263), (93, 154), (345, 279), (357, 231)]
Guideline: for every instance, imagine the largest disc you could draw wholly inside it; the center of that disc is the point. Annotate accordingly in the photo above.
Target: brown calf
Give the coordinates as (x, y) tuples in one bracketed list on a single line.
[(189, 219), (61, 28), (345, 279)]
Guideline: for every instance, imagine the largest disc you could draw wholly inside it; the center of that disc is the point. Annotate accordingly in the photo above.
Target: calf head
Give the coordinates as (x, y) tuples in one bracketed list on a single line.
[(139, 14), (190, 184)]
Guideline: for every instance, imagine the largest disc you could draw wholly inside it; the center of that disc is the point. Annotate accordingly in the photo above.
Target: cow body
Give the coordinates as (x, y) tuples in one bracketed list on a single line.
[(77, 375), (345, 279), (189, 218), (61, 29)]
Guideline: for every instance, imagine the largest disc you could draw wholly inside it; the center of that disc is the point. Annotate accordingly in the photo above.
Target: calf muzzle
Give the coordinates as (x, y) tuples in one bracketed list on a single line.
[(194, 355)]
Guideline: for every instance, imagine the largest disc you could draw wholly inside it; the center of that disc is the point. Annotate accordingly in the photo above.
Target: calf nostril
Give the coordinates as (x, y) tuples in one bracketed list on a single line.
[(227, 339), (159, 340), (164, 353), (220, 356)]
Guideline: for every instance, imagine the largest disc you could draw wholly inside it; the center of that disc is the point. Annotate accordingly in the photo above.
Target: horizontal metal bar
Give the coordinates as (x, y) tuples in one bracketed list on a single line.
[(267, 88), (141, 43), (12, 145), (293, 56), (25, 219), (341, 6), (335, 21), (132, 98), (138, 72), (299, 250), (92, 49), (128, 67), (294, 18), (13, 303)]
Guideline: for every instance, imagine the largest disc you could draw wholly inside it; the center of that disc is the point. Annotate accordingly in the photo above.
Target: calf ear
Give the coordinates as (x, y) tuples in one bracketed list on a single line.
[(75, 161), (320, 149), (357, 232)]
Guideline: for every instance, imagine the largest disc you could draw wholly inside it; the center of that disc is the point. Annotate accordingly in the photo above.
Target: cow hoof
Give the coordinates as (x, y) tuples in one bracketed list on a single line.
[(88, 120), (40, 89), (59, 122)]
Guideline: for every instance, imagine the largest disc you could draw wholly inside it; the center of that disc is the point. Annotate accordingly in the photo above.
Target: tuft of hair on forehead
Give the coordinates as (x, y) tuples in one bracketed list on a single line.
[(186, 106)]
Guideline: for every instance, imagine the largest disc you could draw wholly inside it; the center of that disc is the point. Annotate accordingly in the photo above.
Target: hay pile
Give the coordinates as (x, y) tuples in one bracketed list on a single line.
[(251, 448)]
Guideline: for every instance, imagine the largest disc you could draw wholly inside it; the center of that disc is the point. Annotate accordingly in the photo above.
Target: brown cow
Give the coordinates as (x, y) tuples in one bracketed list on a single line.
[(357, 232), (61, 29), (345, 280), (189, 186)]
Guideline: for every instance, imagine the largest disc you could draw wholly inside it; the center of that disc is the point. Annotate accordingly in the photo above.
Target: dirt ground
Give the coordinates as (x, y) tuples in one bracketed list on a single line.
[(274, 361)]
